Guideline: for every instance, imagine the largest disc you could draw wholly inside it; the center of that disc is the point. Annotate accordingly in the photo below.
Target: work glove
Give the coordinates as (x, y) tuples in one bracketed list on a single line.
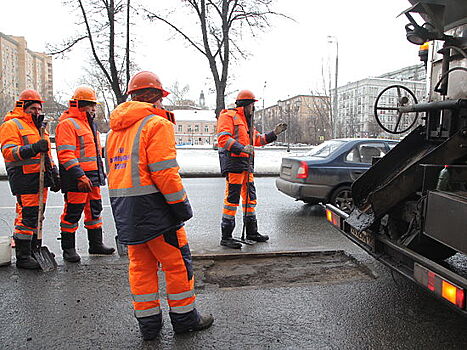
[(248, 149), (40, 146), (280, 128), (56, 182), (84, 184)]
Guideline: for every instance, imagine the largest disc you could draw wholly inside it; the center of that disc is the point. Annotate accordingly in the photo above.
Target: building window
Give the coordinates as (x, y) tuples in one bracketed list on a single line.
[(196, 128), (206, 128), (180, 128)]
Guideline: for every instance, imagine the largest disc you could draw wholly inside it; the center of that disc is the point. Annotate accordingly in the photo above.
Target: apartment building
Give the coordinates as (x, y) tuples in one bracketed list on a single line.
[(195, 126)]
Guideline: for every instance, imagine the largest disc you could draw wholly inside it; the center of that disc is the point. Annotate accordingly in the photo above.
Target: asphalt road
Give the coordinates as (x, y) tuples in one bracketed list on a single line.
[(88, 305)]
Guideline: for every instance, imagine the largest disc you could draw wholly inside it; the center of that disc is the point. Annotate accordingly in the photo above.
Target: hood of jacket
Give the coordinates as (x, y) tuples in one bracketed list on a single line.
[(73, 113), (19, 113), (128, 113)]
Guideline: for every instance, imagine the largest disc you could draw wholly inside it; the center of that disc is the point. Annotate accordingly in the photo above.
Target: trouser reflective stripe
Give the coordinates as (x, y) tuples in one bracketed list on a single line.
[(172, 252), (27, 210), (236, 187), (145, 297), (147, 312), (75, 204), (182, 309)]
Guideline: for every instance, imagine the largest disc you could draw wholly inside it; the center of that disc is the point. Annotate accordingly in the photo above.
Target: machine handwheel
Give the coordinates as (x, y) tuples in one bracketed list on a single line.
[(389, 117)]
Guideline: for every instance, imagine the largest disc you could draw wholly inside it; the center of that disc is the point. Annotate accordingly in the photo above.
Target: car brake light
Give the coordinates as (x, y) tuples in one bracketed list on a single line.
[(439, 285), (333, 218), (302, 172)]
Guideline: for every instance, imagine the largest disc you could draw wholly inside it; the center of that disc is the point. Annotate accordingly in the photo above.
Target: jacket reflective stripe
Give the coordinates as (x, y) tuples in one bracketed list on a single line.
[(181, 296), (25, 139), (66, 147), (229, 207), (70, 162), (235, 135), (22, 236), (228, 217), (75, 123), (182, 309), (250, 213), (229, 143), (8, 145), (162, 165), (18, 123), (15, 153), (93, 222), (24, 228), (87, 159), (136, 189), (82, 153), (22, 162), (177, 196), (62, 224), (224, 133), (133, 191), (145, 297), (148, 312)]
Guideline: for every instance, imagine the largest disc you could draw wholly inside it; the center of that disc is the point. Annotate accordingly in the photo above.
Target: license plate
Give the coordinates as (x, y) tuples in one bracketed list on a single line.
[(286, 171), (364, 237)]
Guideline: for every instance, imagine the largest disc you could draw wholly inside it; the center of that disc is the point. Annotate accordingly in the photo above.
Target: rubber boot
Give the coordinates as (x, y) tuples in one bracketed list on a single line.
[(24, 259), (190, 322), (252, 231), (68, 247), (227, 228), (150, 326), (95, 243)]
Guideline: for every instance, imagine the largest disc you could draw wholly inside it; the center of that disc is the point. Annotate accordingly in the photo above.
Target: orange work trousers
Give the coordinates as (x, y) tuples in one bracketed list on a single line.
[(171, 251), (236, 186), (75, 204), (27, 211)]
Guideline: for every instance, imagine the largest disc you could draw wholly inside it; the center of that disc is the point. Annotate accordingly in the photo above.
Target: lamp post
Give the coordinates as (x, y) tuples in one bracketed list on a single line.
[(333, 39), (263, 115)]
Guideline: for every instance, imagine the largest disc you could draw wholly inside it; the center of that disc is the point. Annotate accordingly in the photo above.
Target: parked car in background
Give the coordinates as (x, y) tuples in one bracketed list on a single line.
[(325, 174)]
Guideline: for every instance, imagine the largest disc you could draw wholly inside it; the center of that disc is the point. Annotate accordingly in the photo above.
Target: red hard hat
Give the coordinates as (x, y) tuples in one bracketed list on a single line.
[(85, 93), (246, 95), (30, 95), (144, 80)]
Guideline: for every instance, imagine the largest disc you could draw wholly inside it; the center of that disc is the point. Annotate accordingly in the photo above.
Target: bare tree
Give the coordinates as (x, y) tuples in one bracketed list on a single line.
[(319, 123), (222, 24), (178, 94), (105, 24)]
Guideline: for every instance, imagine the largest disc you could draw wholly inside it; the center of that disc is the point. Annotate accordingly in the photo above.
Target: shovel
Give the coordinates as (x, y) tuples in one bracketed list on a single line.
[(42, 254)]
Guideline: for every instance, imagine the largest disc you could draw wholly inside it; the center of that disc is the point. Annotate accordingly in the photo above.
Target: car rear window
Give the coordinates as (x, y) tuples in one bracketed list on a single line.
[(325, 149)]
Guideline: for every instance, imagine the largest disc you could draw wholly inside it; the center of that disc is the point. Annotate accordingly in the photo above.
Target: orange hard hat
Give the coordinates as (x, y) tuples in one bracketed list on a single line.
[(246, 95), (30, 95), (85, 93), (145, 80)]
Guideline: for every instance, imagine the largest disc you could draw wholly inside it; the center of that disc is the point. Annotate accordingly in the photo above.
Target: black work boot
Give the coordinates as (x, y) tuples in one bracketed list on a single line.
[(24, 259), (190, 322), (227, 228), (95, 243), (150, 326), (252, 231), (68, 247)]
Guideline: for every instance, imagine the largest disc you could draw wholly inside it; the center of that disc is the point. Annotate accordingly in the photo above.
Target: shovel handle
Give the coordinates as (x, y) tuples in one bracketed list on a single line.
[(40, 215)]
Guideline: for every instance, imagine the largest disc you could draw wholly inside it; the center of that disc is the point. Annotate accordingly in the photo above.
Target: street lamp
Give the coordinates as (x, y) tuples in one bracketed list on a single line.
[(263, 114), (333, 39)]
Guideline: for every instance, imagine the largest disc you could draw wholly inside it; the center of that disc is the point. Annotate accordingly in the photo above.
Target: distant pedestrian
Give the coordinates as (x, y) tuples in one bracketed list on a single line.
[(150, 207), (82, 172), (235, 151), (21, 148)]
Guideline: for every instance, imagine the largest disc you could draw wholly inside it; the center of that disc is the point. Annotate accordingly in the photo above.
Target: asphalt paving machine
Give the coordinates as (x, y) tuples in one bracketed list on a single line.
[(411, 205)]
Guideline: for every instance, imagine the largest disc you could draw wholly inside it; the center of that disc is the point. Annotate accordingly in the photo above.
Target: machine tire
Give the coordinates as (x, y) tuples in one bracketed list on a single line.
[(342, 199)]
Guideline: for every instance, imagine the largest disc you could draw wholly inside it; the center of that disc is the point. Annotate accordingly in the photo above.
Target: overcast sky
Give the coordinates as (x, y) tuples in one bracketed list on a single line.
[(289, 56)]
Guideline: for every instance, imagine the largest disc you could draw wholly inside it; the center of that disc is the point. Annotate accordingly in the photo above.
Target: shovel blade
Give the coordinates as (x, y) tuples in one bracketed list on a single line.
[(45, 258)]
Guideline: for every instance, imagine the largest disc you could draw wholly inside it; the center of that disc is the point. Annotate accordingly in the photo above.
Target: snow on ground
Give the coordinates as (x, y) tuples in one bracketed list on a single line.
[(205, 161)]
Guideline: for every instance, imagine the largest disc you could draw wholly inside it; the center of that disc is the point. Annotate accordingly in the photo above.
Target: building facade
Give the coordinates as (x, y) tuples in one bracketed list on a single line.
[(307, 117), (23, 69), (195, 127)]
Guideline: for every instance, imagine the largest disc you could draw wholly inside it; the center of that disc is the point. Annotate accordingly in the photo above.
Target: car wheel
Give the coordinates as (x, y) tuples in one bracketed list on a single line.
[(342, 199)]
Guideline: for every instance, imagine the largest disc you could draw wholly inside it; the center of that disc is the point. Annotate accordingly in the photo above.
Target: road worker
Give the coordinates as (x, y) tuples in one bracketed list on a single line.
[(150, 207), (235, 150), (80, 161), (21, 147)]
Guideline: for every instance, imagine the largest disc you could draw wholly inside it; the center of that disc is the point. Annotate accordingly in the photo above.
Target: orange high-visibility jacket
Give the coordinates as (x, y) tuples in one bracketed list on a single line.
[(78, 149), (17, 134), (146, 192), (233, 136)]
